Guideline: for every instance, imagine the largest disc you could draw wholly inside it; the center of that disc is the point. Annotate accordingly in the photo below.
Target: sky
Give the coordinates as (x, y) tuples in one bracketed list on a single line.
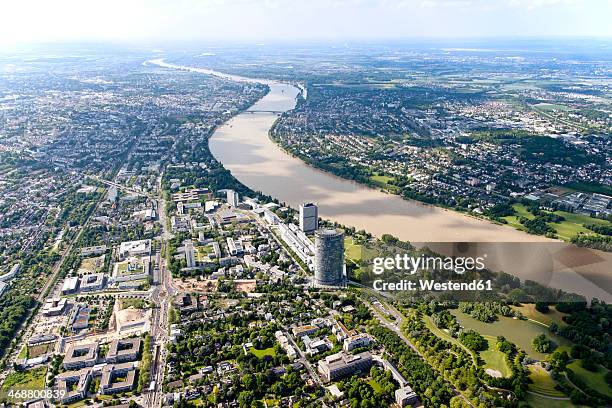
[(25, 21)]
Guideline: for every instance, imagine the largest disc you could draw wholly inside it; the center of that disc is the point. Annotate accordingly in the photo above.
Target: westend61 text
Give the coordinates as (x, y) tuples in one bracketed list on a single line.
[(431, 285)]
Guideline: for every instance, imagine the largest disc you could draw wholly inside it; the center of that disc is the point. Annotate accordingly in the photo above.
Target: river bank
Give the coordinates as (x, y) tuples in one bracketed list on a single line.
[(244, 147)]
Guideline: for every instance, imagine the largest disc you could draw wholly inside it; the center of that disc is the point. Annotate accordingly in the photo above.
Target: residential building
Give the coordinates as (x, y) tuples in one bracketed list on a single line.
[(73, 385), (117, 378)]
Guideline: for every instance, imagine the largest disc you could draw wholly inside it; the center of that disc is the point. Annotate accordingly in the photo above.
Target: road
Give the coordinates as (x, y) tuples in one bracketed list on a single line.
[(313, 373), (162, 296), (396, 328)]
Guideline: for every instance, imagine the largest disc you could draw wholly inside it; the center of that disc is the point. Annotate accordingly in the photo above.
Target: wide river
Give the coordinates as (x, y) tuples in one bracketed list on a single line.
[(243, 146)]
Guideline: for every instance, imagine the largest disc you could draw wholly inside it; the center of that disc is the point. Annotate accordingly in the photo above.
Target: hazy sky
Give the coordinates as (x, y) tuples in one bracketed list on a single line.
[(73, 20)]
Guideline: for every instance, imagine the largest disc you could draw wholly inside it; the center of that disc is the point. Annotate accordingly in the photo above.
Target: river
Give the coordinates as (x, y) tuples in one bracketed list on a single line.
[(243, 146)]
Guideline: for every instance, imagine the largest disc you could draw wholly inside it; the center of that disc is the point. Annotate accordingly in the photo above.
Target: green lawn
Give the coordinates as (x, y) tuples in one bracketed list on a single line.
[(519, 332), (136, 303), (573, 224), (25, 380), (550, 107), (594, 380), (495, 359), (521, 211), (264, 352), (566, 230), (543, 382), (535, 401), (382, 181), (374, 384), (553, 316), (356, 252)]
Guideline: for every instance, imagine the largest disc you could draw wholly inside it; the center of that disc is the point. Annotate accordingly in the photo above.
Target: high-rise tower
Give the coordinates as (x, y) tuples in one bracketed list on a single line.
[(309, 217), (329, 257)]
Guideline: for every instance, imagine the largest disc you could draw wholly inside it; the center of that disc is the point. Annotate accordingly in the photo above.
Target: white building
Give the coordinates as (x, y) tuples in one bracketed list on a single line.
[(190, 254), (232, 198), (11, 274), (135, 248)]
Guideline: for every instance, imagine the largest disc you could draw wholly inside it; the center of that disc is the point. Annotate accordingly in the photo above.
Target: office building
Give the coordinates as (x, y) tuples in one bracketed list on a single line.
[(190, 254), (405, 397), (80, 356), (309, 217), (232, 198), (117, 378), (342, 364), (123, 350), (73, 385), (329, 257)]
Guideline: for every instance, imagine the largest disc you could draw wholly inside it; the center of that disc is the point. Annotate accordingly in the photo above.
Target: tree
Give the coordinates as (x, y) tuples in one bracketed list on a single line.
[(542, 307), (559, 360), (543, 344), (473, 340)]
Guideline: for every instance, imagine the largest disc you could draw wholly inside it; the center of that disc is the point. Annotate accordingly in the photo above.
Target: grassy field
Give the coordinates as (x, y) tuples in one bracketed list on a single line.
[(535, 401), (136, 303), (566, 230), (551, 107), (513, 220), (383, 182), (495, 359), (594, 380), (356, 252), (553, 316), (264, 352), (543, 382), (520, 332), (573, 224), (25, 380)]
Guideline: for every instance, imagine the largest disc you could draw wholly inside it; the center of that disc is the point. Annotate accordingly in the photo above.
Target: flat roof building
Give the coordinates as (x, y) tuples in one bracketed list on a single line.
[(135, 248), (309, 217), (71, 285), (92, 282), (117, 378), (79, 356), (73, 385), (342, 364), (120, 351)]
